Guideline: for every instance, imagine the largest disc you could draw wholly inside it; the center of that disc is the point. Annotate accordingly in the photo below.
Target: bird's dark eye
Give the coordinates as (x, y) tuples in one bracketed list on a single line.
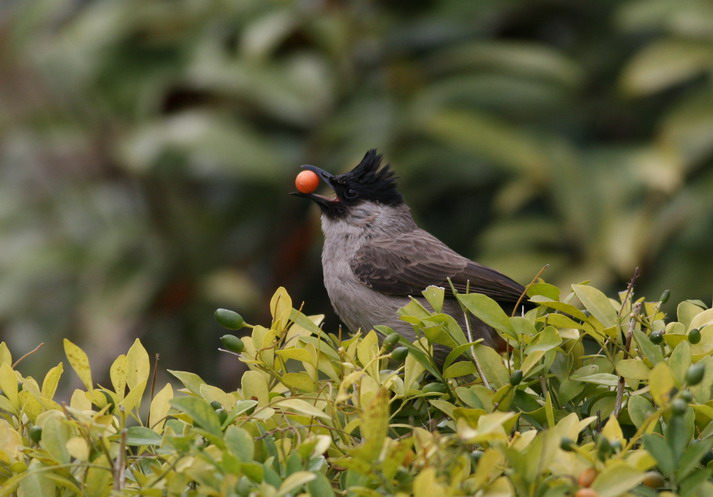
[(350, 193)]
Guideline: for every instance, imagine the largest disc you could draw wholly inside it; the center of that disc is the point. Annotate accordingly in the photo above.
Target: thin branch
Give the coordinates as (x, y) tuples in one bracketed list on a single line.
[(527, 287), (14, 365), (627, 349)]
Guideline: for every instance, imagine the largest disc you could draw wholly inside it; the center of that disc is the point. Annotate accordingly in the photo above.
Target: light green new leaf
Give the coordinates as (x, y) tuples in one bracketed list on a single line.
[(301, 407), (434, 295), (598, 304), (80, 363)]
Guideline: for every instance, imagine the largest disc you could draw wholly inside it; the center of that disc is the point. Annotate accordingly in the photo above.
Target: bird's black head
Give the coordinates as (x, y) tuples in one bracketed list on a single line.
[(368, 181)]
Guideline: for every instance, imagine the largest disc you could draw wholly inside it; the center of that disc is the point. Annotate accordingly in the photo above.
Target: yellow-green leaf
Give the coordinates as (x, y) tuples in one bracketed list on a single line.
[(49, 384), (80, 363), (301, 407), (280, 308), (634, 369), (117, 374), (137, 365), (294, 481), (617, 479), (367, 350), (160, 405), (299, 381), (5, 355), (254, 385), (598, 304), (661, 382), (8, 384), (78, 448)]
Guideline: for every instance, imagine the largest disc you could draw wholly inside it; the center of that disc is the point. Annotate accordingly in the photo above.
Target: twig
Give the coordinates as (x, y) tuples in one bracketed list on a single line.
[(120, 463), (14, 365), (527, 287), (627, 348), (153, 386)]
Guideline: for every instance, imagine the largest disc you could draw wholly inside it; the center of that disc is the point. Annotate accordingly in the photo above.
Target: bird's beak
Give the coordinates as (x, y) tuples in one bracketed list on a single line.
[(324, 176)]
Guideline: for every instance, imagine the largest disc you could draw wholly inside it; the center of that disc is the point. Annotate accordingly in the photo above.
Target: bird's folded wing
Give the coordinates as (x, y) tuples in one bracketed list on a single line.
[(408, 263)]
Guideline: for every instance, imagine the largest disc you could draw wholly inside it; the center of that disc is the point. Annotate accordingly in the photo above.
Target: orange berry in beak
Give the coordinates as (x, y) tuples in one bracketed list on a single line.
[(307, 182)]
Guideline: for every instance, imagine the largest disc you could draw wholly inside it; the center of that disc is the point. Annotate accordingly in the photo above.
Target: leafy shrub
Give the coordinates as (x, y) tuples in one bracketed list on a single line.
[(594, 397)]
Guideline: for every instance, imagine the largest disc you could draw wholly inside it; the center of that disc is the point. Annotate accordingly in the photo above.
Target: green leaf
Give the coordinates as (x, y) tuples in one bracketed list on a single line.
[(650, 351), (664, 63), (492, 364), (598, 304), (547, 339), (240, 443), (320, 487), (679, 362), (488, 311), (692, 456), (200, 411), (140, 435), (639, 409), (656, 446)]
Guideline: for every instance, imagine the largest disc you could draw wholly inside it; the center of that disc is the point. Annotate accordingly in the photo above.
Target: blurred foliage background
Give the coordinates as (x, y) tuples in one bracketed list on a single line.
[(147, 149)]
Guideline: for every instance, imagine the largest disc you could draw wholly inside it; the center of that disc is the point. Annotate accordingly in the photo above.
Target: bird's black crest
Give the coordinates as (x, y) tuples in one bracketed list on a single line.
[(371, 181)]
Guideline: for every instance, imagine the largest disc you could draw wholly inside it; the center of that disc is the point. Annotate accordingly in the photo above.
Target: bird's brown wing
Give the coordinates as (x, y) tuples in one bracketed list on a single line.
[(409, 262)]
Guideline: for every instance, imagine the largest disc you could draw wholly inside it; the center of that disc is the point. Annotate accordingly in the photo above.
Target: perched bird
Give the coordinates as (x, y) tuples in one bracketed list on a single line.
[(375, 257)]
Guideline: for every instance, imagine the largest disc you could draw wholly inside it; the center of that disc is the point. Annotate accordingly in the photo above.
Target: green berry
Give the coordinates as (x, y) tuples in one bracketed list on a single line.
[(399, 354), (475, 456), (390, 341), (222, 414), (567, 444), (516, 377), (656, 337), (36, 433), (232, 343), (216, 405), (695, 373), (664, 296), (229, 319), (679, 407), (686, 395), (694, 336)]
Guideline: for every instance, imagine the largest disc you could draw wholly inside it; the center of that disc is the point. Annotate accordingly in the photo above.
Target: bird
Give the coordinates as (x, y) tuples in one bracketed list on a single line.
[(375, 258)]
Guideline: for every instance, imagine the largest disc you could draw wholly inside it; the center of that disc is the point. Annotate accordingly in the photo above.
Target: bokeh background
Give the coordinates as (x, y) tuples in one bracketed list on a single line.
[(147, 149)]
